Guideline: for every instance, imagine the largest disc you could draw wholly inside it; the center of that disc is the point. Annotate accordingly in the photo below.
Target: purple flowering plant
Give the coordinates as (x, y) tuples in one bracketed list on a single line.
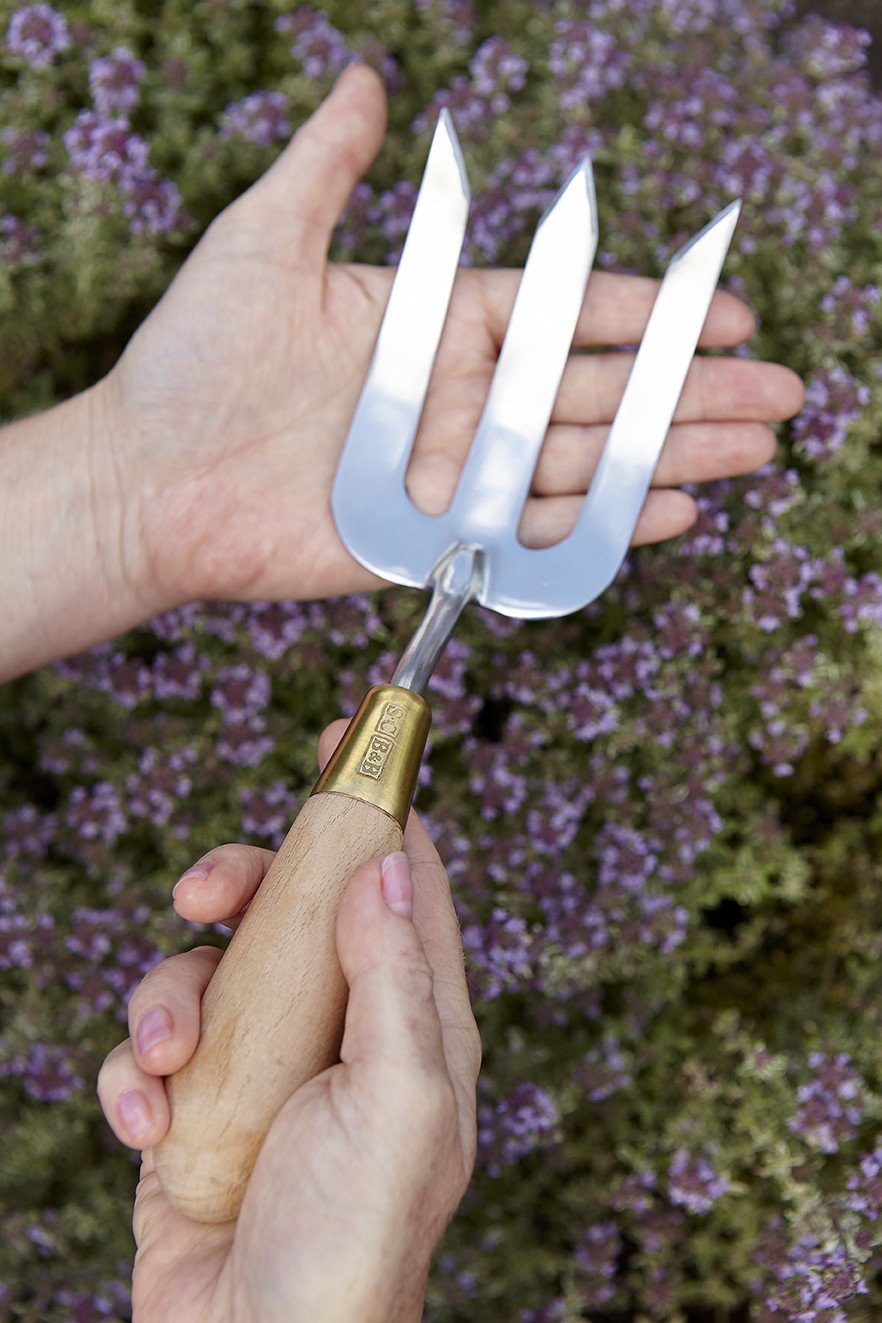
[(661, 817)]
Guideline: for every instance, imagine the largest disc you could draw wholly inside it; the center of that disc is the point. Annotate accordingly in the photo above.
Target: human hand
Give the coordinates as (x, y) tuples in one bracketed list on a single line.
[(363, 1167), (231, 404)]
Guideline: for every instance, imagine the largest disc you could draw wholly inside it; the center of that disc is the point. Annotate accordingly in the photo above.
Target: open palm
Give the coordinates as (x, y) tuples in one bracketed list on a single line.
[(237, 392)]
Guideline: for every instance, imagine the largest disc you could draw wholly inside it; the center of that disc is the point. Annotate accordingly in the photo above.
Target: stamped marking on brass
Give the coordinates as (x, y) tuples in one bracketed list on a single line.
[(387, 730)]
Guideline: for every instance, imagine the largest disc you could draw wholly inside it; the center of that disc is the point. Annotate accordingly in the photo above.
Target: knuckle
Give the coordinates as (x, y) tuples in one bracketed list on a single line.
[(472, 1048), (112, 1067), (427, 1100), (415, 973)]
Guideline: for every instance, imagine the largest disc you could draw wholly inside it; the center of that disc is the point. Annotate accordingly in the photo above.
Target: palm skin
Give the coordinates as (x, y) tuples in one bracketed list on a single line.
[(237, 392)]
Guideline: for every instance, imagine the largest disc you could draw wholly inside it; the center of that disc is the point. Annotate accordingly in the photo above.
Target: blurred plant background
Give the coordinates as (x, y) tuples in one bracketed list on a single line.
[(662, 817)]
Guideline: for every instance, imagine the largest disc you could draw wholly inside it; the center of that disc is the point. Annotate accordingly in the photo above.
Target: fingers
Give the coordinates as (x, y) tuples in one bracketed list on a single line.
[(164, 1010), (434, 918), (391, 1020), (328, 741), (665, 514), (164, 1023), (409, 1019), (220, 885), (693, 452), (616, 310), (438, 928), (732, 389), (312, 179)]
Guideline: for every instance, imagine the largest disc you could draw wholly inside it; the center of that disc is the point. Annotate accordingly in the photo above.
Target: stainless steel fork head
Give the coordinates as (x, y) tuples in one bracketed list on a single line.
[(375, 517)]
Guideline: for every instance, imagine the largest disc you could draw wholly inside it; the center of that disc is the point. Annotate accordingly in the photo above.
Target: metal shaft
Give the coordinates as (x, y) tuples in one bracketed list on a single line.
[(456, 580)]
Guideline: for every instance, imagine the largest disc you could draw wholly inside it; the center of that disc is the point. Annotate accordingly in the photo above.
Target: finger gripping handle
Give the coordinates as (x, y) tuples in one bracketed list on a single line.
[(272, 1015)]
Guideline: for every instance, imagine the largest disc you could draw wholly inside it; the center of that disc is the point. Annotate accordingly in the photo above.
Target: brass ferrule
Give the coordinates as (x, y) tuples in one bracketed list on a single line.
[(378, 759)]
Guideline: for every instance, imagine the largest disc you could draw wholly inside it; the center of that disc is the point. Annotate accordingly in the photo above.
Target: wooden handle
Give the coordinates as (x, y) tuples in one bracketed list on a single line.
[(272, 1015)]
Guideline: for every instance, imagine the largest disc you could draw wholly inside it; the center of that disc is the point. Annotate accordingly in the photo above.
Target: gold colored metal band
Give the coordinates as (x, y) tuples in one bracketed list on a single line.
[(378, 759)]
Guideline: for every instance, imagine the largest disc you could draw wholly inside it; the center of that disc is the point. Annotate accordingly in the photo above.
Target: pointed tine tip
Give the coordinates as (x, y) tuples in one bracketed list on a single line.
[(578, 181), (585, 171), (445, 131), (722, 227)]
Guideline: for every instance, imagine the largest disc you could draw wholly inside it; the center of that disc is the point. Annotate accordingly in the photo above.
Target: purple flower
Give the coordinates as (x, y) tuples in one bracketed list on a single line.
[(831, 1104), (833, 401), (499, 953), (524, 1122), (109, 151), (259, 118), (49, 1073), (28, 832), (626, 859), (24, 151), (391, 212), (633, 1193), (456, 17), (106, 149), (496, 71), (593, 712), (605, 1070), (319, 46), (849, 309), (18, 241), (96, 814), (501, 788), (113, 82), (268, 812), (596, 1258), (245, 742), (161, 784), (24, 935), (112, 955), (865, 1187), (862, 602), (240, 692), (153, 206), (811, 1280), (586, 62), (179, 674), (693, 1183), (827, 50), (275, 627), (38, 33)]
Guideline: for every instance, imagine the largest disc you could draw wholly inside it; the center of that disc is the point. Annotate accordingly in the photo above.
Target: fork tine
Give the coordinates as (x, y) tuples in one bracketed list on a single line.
[(373, 514), (499, 467), (565, 577)]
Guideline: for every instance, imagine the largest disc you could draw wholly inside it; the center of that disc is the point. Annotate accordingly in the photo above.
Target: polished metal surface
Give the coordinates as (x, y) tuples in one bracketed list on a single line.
[(372, 511), (456, 581), (487, 506), (472, 550), (378, 757), (559, 579)]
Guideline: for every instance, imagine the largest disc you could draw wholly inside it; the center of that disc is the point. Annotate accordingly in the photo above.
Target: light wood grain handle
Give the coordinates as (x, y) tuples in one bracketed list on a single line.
[(272, 1015)]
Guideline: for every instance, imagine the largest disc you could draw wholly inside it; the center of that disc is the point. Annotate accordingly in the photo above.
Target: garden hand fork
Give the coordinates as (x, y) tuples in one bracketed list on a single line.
[(272, 1015)]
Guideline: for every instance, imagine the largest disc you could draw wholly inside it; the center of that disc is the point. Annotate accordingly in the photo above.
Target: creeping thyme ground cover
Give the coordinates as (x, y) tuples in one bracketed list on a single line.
[(662, 817)]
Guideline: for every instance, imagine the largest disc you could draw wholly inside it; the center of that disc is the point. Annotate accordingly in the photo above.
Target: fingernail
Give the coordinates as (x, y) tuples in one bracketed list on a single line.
[(397, 886), (133, 1111), (154, 1027), (198, 873)]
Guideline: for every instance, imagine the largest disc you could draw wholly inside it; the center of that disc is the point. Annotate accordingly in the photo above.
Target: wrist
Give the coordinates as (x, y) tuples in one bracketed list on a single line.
[(118, 483), (72, 573)]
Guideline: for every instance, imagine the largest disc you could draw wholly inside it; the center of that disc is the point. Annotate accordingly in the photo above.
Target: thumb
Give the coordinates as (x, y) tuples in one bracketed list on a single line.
[(312, 179), (392, 1018)]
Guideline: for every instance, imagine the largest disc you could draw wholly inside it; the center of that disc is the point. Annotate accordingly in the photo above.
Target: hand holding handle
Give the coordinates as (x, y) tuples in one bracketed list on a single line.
[(272, 1016)]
